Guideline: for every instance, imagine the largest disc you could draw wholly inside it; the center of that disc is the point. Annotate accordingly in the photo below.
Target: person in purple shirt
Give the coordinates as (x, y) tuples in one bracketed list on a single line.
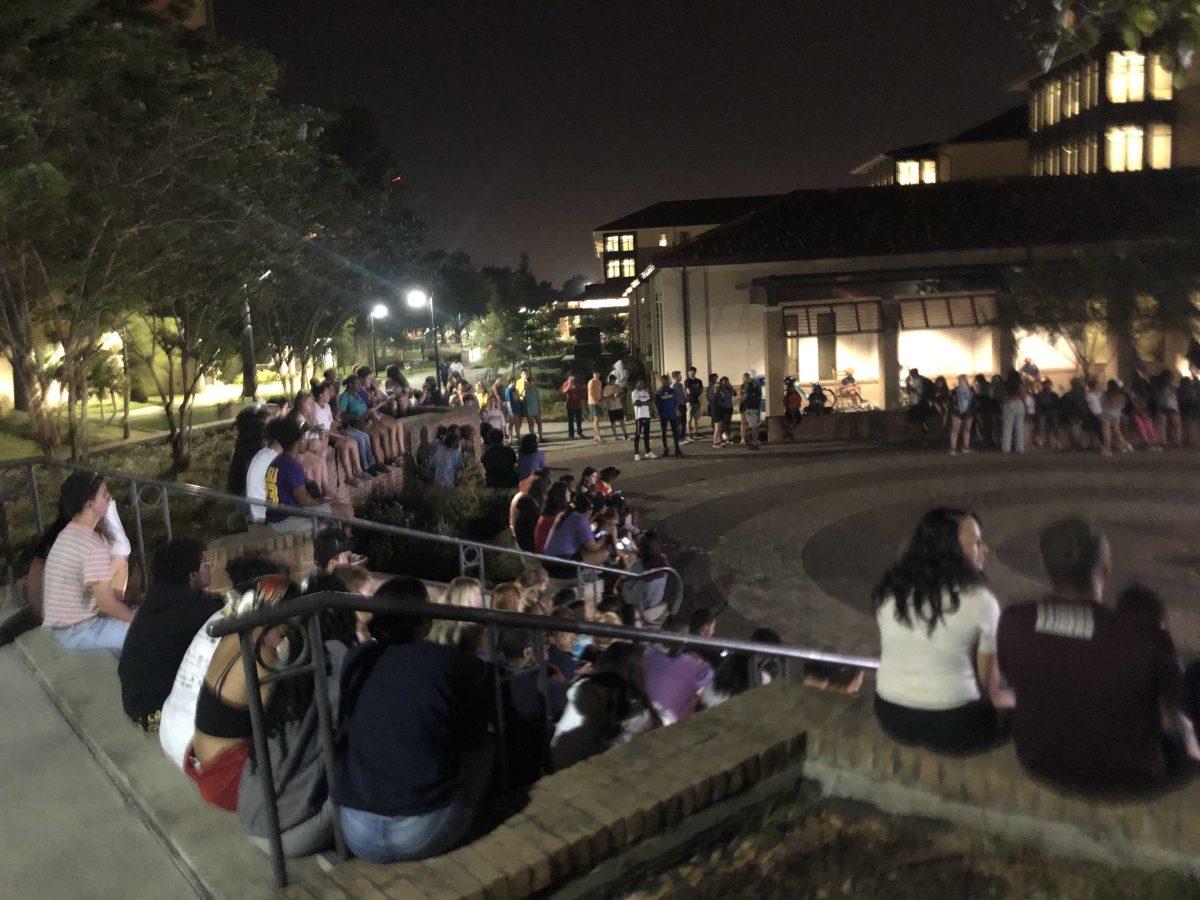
[(572, 536), (286, 485), (530, 459), (674, 681)]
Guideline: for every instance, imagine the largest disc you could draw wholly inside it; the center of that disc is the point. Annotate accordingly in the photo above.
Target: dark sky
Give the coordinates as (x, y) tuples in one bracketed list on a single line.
[(518, 126)]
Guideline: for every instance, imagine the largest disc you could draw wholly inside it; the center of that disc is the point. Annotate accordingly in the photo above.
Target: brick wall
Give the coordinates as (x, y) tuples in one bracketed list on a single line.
[(874, 425)]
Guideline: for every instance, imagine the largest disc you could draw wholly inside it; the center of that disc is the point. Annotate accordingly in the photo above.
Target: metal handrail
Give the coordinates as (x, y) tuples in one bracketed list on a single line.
[(470, 552), (305, 611)]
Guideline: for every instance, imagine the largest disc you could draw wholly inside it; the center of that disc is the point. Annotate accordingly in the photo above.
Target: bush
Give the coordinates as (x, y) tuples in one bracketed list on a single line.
[(138, 394), (469, 511)]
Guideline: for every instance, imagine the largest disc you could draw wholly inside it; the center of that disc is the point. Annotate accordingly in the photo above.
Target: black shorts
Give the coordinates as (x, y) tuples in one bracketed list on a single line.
[(971, 728), (616, 415), (965, 416), (727, 417)]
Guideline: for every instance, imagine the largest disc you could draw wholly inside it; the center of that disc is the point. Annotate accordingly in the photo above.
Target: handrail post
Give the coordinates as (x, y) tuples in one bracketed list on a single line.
[(543, 684), (325, 719), (492, 633), (137, 524), (37, 501), (262, 754), (166, 511)]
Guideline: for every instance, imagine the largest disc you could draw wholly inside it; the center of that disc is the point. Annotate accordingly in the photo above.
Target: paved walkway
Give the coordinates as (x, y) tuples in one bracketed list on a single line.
[(794, 537), (67, 831)]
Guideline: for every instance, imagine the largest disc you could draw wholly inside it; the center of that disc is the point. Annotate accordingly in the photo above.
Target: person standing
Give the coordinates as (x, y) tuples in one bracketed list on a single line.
[(574, 401), (680, 405), (595, 398), (667, 415), (725, 396), (641, 421), (694, 388), (792, 400), (614, 403), (1012, 421), (513, 395), (750, 408), (79, 603), (532, 399), (710, 396), (962, 411)]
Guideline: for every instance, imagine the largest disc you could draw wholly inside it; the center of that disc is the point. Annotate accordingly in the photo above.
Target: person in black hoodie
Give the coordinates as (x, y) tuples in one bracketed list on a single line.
[(175, 608)]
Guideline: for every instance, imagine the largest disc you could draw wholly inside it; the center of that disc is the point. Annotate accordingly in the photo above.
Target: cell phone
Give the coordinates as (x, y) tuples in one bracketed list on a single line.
[(601, 533)]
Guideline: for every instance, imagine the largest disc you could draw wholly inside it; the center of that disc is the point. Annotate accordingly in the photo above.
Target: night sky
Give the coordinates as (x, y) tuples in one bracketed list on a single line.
[(519, 126)]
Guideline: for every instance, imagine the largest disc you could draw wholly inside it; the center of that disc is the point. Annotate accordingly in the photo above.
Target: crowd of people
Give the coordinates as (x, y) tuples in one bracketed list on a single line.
[(1091, 692), (416, 723), (1023, 410)]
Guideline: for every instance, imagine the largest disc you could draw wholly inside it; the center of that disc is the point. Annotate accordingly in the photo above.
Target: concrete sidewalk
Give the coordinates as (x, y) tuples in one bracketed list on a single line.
[(67, 831)]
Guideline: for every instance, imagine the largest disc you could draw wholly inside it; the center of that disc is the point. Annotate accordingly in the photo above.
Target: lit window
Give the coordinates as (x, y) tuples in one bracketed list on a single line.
[(1089, 155), (1126, 76), (1036, 164), (1090, 88), (1052, 101), (908, 171), (612, 243), (612, 268), (1161, 87), (928, 171), (1160, 146), (626, 243), (1123, 148), (662, 240), (628, 265), (599, 248), (1035, 111), (1071, 95)]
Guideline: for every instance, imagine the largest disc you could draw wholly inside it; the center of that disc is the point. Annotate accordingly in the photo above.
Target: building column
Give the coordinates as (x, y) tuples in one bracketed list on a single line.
[(775, 354), (1004, 348), (889, 351)]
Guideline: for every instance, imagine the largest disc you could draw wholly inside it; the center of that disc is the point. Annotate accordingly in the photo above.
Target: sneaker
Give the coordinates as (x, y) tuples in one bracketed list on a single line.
[(637, 457), (954, 452), (968, 450), (650, 455)]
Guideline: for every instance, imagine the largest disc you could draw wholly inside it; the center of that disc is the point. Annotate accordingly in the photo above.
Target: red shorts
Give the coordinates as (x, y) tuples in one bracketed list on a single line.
[(218, 780)]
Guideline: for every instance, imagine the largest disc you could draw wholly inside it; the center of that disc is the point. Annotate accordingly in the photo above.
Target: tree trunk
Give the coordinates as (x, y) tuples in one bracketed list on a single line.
[(127, 386), (83, 413), (23, 383)]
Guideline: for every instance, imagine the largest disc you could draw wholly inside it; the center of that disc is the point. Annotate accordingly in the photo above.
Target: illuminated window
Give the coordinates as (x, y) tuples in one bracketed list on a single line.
[(928, 171), (612, 243), (1071, 94), (908, 171), (628, 265), (1161, 87), (1126, 76), (612, 268), (1035, 110), (1123, 148), (1036, 164), (1090, 89), (1070, 159), (1089, 155), (1052, 101), (662, 240), (626, 243), (1160, 146)]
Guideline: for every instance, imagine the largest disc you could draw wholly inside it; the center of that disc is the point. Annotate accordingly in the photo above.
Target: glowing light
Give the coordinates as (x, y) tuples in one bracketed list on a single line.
[(379, 311), (416, 299)]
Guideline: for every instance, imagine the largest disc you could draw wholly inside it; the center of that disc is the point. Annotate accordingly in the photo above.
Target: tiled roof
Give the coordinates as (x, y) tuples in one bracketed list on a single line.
[(1010, 125), (672, 213), (953, 216)]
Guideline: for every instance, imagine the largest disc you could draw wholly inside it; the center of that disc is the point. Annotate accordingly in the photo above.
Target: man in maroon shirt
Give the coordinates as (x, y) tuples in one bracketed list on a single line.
[(1093, 685)]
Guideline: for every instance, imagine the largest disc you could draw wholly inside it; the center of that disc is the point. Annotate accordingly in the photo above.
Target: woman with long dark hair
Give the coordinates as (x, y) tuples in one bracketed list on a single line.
[(937, 629)]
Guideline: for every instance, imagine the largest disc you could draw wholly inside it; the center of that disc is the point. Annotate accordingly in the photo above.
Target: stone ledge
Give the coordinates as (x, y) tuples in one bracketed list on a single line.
[(598, 809), (850, 756), (208, 845)]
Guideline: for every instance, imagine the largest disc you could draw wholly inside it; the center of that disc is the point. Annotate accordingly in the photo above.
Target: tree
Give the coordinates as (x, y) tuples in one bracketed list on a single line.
[(1060, 28)]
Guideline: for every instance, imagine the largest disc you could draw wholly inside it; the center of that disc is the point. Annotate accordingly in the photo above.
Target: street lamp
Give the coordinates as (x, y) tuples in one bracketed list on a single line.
[(416, 299), (379, 311)]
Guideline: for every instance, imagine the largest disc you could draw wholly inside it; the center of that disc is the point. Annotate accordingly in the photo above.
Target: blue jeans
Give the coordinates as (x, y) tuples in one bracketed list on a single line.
[(366, 457), (100, 633), (383, 839)]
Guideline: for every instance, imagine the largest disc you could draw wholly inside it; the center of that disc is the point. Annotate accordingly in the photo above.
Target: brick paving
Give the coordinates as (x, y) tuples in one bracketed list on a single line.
[(794, 537)]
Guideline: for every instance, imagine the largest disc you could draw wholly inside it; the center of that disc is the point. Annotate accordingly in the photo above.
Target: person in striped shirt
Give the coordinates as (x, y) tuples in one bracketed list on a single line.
[(80, 604)]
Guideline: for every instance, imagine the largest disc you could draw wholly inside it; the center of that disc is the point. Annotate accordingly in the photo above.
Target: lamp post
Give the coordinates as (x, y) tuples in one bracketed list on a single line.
[(416, 299), (379, 311)]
